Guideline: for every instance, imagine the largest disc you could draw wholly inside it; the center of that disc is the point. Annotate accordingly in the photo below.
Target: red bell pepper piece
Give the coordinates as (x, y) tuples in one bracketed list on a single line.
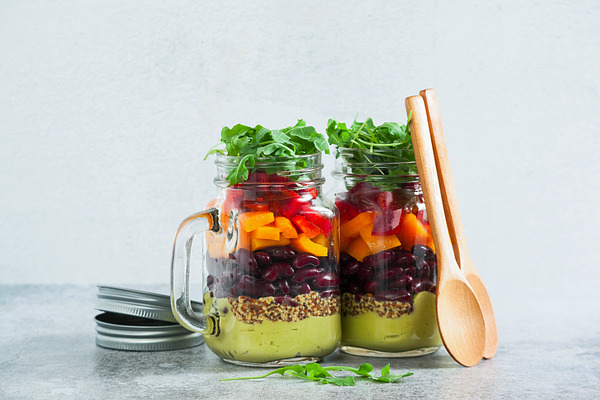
[(387, 223), (305, 226), (320, 221)]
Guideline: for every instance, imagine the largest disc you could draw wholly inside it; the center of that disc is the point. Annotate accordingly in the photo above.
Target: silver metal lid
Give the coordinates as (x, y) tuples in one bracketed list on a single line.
[(126, 332), (137, 303)]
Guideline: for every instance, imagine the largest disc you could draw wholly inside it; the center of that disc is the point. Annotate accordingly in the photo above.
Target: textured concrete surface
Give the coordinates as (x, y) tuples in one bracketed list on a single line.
[(549, 348)]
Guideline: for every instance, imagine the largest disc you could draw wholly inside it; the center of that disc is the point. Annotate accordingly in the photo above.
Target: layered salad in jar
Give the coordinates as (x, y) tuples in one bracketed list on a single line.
[(387, 261), (272, 269)]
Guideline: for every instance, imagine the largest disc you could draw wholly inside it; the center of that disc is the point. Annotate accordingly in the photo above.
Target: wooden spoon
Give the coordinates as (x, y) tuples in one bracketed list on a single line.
[(459, 315), (455, 227)]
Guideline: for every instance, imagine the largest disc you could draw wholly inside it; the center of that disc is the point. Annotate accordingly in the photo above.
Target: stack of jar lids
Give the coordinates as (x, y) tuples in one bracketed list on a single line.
[(136, 320)]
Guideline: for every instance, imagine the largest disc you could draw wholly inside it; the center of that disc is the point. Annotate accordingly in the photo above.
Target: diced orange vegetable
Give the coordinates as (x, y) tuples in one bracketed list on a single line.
[(378, 243), (267, 232), (345, 242), (430, 243), (285, 226), (244, 240), (257, 244), (310, 229), (351, 228), (321, 240), (254, 219), (305, 245), (412, 232), (358, 249)]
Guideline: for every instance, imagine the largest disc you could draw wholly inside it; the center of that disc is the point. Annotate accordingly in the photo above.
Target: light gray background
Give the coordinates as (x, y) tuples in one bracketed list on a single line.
[(108, 107)]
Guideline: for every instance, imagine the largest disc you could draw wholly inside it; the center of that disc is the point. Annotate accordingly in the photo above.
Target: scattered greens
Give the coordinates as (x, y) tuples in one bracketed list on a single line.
[(318, 373), (249, 143), (386, 150)]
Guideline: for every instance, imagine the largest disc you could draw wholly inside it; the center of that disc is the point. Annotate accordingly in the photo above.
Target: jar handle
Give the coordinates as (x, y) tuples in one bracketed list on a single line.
[(180, 272)]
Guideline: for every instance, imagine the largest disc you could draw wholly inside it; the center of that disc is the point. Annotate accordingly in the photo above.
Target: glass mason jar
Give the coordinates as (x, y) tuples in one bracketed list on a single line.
[(270, 273), (387, 256)]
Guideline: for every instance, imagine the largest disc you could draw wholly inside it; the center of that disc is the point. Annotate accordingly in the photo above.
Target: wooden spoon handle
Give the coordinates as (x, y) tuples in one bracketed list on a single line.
[(423, 148), (455, 227)]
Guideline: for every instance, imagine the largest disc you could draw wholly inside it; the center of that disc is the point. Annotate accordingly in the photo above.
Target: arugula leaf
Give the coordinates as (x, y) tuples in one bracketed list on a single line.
[(386, 377), (376, 142), (249, 143), (316, 372)]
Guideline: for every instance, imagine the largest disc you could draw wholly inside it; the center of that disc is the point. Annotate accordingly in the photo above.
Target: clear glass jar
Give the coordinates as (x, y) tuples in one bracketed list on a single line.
[(387, 256), (270, 273)]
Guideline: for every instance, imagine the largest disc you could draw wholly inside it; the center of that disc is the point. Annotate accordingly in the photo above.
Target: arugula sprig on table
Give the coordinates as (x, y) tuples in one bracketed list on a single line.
[(376, 141), (249, 143), (316, 372)]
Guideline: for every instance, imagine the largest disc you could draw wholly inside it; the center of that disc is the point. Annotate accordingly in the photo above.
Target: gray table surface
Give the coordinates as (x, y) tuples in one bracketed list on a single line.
[(549, 347)]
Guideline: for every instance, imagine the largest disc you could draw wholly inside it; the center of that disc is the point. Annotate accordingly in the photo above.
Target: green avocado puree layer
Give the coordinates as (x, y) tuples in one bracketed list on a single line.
[(271, 340), (411, 331)]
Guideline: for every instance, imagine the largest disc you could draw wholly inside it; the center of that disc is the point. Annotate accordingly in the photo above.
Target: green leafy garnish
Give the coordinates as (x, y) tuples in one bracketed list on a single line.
[(379, 153), (249, 143), (316, 372)]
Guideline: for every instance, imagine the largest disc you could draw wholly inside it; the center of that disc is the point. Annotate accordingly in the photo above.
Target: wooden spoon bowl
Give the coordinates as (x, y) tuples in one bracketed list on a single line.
[(459, 315)]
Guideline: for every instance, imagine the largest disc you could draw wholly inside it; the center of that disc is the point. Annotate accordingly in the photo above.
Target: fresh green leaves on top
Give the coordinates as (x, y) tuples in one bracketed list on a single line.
[(248, 143), (316, 372), (377, 150), (366, 135)]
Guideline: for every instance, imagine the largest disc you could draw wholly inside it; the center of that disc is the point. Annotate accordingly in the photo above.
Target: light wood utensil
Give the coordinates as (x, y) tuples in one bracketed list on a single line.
[(455, 227), (459, 315)]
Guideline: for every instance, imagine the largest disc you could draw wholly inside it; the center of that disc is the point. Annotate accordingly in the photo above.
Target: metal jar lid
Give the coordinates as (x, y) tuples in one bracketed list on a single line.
[(126, 332), (138, 303), (137, 320)]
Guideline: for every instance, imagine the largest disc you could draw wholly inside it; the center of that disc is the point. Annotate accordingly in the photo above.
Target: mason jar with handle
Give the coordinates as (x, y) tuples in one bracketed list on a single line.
[(270, 265), (388, 261)]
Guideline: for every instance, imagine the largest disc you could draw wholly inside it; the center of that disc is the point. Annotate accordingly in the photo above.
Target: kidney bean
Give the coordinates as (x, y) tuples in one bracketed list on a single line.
[(433, 289), (399, 250), (345, 258), (432, 268), (365, 274), (423, 252), (303, 260), (327, 293), (246, 261), (210, 281), (379, 260), (393, 295), (286, 301), (326, 280), (372, 286), (404, 260), (351, 268), (299, 288), (280, 253), (353, 287), (256, 287), (420, 285), (422, 269), (410, 270), (389, 274), (277, 270), (262, 259), (283, 286), (401, 282), (305, 274)]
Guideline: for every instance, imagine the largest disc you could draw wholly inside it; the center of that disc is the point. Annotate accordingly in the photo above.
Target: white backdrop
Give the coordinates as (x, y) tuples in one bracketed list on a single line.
[(108, 107)]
